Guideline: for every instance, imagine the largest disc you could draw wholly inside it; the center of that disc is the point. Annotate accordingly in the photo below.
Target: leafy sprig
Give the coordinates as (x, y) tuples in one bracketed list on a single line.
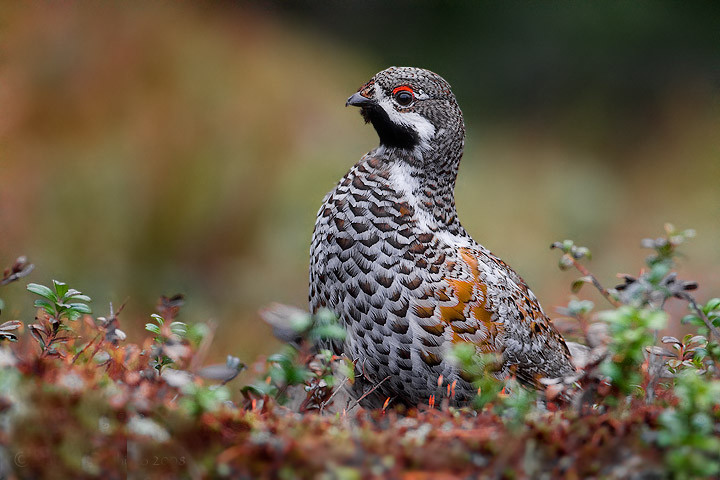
[(60, 302)]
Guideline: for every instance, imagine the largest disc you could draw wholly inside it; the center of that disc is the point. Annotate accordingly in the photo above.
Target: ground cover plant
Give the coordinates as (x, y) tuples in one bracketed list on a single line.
[(78, 399)]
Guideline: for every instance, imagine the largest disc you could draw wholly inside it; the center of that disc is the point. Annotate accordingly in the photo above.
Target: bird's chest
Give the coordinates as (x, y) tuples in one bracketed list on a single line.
[(366, 230), (373, 250)]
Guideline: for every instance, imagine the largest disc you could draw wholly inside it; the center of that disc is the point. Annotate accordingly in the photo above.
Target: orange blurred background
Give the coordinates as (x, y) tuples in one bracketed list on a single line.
[(155, 148)]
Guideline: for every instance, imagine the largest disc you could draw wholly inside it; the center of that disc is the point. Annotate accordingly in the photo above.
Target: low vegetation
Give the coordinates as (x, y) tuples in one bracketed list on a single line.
[(79, 400)]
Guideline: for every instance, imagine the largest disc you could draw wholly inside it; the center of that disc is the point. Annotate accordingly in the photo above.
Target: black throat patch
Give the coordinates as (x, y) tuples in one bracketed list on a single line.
[(391, 134)]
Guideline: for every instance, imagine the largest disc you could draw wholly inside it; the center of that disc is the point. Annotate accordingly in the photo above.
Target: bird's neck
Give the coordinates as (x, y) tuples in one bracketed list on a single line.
[(425, 180)]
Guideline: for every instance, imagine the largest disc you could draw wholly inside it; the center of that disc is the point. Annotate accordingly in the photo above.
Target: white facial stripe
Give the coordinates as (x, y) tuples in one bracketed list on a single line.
[(424, 128)]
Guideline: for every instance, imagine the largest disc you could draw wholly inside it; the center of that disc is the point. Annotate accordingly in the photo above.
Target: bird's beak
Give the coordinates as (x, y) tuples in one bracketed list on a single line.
[(358, 100), (364, 96)]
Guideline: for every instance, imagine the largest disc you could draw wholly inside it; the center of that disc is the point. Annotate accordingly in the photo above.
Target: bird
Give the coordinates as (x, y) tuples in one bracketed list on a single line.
[(390, 258)]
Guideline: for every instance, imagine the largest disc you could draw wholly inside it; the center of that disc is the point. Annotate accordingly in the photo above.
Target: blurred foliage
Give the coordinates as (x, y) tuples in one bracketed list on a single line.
[(299, 363), (150, 149), (99, 406)]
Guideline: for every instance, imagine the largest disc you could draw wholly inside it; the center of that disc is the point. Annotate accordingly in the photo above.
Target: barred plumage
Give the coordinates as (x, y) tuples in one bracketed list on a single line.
[(391, 259)]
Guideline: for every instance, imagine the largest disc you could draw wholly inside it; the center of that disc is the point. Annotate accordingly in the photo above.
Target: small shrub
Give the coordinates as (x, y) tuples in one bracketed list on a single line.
[(89, 403)]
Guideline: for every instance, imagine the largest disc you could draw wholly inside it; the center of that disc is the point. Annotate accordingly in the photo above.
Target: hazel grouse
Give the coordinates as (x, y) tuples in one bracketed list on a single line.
[(390, 258)]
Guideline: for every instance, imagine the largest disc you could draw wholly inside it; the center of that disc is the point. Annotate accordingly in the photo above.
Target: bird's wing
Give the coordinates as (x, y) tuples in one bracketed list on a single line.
[(480, 300)]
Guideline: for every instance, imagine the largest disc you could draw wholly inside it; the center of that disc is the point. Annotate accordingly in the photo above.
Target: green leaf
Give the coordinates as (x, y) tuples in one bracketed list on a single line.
[(325, 316), (80, 297), (298, 375), (196, 332), (329, 332), (260, 388), (578, 284), (278, 358), (712, 304), (692, 320), (80, 307), (699, 339), (657, 319), (45, 305), (463, 353), (702, 423), (151, 327), (658, 271), (582, 307), (61, 288), (611, 369), (178, 328), (43, 291)]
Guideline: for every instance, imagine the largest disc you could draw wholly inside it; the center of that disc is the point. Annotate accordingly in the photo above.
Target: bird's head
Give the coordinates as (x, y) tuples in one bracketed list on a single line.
[(410, 108)]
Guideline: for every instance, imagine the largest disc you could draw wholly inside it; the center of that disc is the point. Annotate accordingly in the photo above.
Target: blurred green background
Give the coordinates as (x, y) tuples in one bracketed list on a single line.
[(158, 148)]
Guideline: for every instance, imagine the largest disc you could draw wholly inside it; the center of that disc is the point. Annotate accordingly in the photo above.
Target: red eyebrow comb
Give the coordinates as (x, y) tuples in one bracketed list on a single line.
[(401, 89)]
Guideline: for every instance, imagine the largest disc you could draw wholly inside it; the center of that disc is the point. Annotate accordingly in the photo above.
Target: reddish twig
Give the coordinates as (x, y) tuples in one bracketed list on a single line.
[(77, 355), (357, 402), (596, 283)]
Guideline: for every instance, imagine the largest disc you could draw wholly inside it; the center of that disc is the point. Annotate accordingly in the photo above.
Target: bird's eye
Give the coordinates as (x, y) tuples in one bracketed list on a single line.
[(403, 96)]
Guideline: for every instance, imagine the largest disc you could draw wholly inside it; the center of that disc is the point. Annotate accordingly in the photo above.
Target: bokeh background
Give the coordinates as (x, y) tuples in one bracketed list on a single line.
[(152, 148)]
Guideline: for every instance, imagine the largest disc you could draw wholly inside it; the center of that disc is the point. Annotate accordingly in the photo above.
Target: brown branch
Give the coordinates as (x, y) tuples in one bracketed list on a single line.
[(95, 350), (596, 283), (85, 348), (357, 402), (335, 391), (693, 304)]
